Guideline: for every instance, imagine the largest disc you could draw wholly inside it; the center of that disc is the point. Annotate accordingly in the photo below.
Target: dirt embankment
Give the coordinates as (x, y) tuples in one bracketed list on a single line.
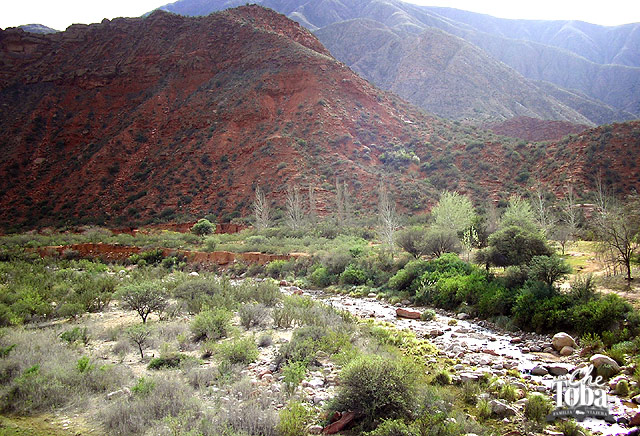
[(115, 253)]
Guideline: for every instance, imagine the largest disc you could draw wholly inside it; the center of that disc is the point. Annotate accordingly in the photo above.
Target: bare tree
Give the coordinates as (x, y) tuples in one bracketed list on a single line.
[(261, 209), (339, 211), (347, 202), (312, 211), (617, 228), (387, 217), (561, 233), (570, 211), (543, 210), (295, 213)]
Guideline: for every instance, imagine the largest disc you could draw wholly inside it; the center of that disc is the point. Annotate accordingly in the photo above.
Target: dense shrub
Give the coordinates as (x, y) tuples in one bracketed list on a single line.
[(203, 227), (391, 427), (537, 408), (514, 246), (255, 314), (211, 324), (294, 419), (407, 279), (377, 388), (353, 275), (278, 269), (320, 277), (307, 341), (238, 351), (600, 315), (548, 269)]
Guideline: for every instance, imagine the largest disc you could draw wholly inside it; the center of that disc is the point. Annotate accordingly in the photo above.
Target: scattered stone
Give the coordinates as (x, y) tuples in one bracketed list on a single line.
[(548, 350), (561, 340), (406, 302), (597, 360), (435, 333), (516, 340), (406, 313), (298, 292), (501, 409), (118, 394), (462, 316), (267, 377), (567, 351), (314, 429), (284, 283), (557, 370), (194, 274), (469, 377), (635, 420), (535, 349), (636, 399), (340, 424), (539, 370), (372, 295)]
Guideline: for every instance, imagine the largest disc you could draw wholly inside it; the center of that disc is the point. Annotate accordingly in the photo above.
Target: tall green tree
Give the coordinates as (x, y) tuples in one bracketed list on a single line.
[(453, 212)]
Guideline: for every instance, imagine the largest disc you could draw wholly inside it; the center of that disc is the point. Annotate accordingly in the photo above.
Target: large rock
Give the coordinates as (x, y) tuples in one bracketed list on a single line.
[(635, 420), (501, 409), (340, 424), (539, 370), (561, 340), (597, 360), (567, 351), (406, 313), (557, 370)]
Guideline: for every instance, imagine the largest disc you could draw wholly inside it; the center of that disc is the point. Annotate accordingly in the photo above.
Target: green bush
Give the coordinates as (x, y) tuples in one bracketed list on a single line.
[(253, 315), (538, 407), (353, 275), (391, 427), (211, 324), (171, 361), (377, 388), (278, 269), (407, 278), (293, 374), (294, 419), (320, 277), (203, 227), (600, 315), (76, 334), (428, 315), (238, 351), (308, 340)]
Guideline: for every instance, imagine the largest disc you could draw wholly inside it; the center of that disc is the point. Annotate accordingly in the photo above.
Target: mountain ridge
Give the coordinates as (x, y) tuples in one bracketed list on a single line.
[(612, 88)]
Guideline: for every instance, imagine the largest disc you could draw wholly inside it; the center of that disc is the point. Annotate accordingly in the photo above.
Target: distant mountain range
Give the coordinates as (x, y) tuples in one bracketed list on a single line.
[(557, 70)]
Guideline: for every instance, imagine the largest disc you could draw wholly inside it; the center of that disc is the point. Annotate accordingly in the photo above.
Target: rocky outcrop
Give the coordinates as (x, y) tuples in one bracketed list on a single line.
[(406, 313)]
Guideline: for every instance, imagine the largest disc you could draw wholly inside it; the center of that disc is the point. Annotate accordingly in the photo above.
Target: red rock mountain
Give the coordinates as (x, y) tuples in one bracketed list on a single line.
[(535, 129), (169, 117)]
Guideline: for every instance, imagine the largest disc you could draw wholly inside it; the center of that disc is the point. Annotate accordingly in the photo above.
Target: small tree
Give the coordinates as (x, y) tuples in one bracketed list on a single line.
[(453, 212), (294, 208), (261, 209), (519, 214), (543, 209), (139, 335), (513, 246), (144, 298), (387, 218), (412, 240), (312, 211), (203, 227), (440, 241), (617, 229), (548, 269)]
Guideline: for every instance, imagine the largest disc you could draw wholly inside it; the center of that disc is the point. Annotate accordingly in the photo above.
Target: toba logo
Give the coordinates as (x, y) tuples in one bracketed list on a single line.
[(580, 396)]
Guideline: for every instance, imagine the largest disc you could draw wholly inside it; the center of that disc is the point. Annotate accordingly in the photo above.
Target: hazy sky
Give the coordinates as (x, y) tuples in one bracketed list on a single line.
[(59, 14)]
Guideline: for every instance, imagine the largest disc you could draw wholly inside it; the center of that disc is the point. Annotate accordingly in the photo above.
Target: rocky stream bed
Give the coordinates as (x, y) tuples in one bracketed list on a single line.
[(481, 348)]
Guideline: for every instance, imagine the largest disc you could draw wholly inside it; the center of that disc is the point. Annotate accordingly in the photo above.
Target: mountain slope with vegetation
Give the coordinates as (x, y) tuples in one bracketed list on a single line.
[(202, 111)]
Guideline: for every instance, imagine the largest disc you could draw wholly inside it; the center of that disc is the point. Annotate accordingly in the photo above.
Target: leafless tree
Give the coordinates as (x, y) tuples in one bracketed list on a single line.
[(312, 211), (570, 212), (543, 210), (387, 217), (617, 229), (261, 209), (295, 213)]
